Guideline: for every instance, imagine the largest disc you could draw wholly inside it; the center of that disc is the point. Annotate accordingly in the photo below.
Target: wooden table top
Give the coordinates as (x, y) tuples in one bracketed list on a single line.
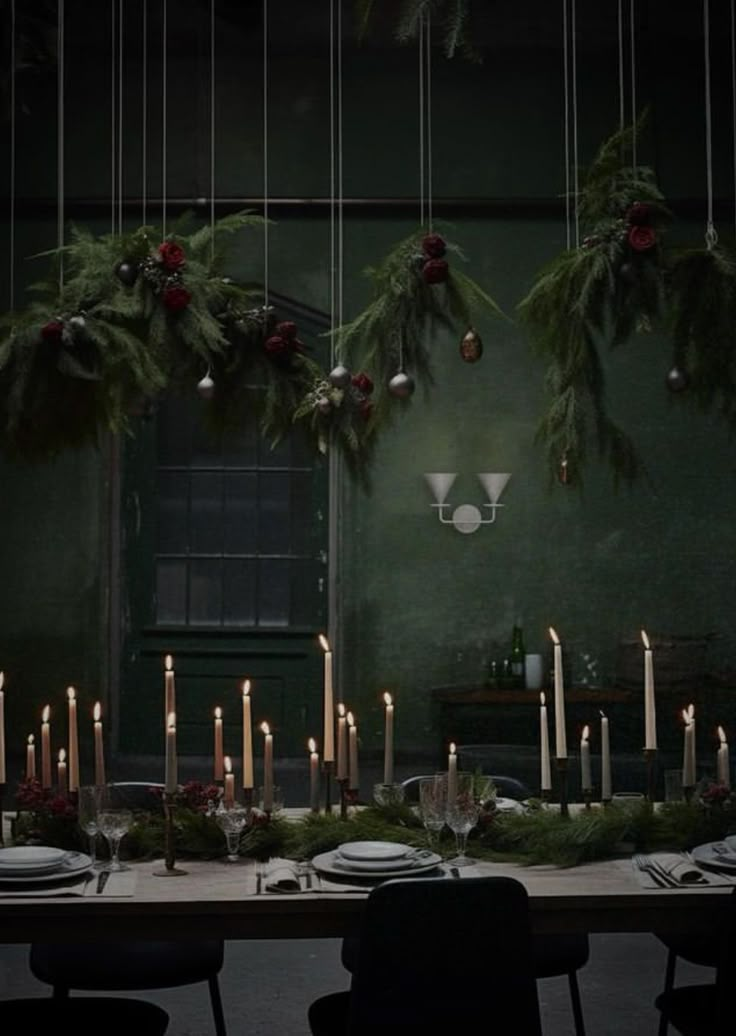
[(217, 899)]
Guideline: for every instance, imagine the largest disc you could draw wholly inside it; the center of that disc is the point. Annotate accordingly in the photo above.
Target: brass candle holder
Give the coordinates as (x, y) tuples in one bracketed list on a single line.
[(170, 870), (562, 785), (328, 768), (650, 758)]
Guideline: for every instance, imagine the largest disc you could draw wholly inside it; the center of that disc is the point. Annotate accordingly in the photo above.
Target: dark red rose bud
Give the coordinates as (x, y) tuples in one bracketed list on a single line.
[(171, 255), (176, 298), (638, 213), (276, 345), (287, 329), (435, 271), (362, 383), (52, 331), (434, 246), (642, 238)]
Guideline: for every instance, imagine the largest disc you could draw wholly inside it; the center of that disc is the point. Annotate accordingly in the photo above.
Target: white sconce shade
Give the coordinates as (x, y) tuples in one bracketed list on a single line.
[(440, 484), (494, 484), (466, 518)]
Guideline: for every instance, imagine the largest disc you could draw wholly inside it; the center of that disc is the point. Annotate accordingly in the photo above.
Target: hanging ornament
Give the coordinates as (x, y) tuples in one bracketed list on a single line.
[(206, 386), (677, 379), (323, 405), (127, 273), (401, 385), (471, 346), (563, 471), (52, 331), (77, 323), (339, 376)]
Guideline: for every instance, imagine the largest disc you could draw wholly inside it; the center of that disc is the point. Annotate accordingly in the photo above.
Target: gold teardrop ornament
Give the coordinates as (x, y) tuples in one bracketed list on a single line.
[(471, 346)]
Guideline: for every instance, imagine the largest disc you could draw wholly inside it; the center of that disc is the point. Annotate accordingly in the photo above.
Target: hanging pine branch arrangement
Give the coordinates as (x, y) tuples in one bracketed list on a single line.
[(452, 15), (418, 288), (596, 295)]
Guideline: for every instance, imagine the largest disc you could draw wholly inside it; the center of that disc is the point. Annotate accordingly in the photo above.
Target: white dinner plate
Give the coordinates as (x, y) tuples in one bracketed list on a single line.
[(30, 858), (327, 863), (509, 806), (706, 856), (408, 862), (373, 850), (71, 865)]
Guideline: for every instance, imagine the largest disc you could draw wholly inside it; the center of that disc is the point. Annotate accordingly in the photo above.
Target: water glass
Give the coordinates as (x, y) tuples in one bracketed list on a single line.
[(463, 810), (433, 805), (88, 807), (231, 820), (113, 822)]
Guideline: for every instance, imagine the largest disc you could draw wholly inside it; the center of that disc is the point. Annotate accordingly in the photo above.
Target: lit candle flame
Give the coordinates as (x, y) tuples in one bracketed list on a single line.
[(46, 714), (312, 745), (453, 748), (341, 709), (246, 688), (722, 735), (554, 636), (2, 680), (586, 732), (31, 739), (71, 693), (645, 640), (228, 764), (324, 643), (388, 699), (168, 663), (603, 715), (542, 698), (351, 721), (62, 755), (171, 721), (265, 728), (97, 712), (218, 712), (688, 714)]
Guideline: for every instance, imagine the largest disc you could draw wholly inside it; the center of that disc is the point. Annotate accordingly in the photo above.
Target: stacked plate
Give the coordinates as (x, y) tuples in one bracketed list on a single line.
[(40, 865), (376, 860), (720, 856)]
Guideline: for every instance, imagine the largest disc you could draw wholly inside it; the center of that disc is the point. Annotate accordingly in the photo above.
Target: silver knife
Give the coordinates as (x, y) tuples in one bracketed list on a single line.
[(102, 881)]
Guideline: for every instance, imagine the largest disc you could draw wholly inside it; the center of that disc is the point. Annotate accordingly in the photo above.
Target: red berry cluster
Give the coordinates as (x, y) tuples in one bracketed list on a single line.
[(640, 234), (284, 341), (163, 271), (434, 265), (363, 386)]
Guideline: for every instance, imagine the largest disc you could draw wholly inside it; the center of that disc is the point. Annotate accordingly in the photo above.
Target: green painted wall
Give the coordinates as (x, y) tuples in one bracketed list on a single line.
[(421, 605)]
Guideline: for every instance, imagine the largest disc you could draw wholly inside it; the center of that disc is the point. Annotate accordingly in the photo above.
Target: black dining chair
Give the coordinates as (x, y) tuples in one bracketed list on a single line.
[(115, 1016), (440, 956)]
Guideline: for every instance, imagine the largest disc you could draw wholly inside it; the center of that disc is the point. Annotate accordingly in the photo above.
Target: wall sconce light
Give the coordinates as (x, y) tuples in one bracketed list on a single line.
[(466, 518)]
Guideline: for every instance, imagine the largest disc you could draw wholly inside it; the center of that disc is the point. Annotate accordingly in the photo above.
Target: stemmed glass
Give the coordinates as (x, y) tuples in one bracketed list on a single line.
[(113, 823), (88, 807), (433, 805), (231, 820), (463, 810)]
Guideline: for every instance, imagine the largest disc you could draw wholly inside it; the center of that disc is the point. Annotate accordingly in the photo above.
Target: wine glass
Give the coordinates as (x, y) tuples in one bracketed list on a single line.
[(113, 823), (88, 807), (231, 820), (433, 805), (463, 810)]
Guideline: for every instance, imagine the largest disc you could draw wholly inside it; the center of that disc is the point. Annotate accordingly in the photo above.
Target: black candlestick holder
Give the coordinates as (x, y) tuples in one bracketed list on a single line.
[(587, 798), (248, 795), (328, 768), (650, 758), (2, 819), (170, 869), (562, 785), (343, 782)]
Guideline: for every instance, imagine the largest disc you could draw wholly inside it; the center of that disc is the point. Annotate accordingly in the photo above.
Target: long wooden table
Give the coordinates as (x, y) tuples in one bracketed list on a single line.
[(216, 899)]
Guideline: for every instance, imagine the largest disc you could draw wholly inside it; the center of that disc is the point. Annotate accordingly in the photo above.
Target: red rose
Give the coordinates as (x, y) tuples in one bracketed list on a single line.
[(362, 383), (176, 298), (171, 255), (638, 213), (276, 345), (435, 271), (642, 238), (434, 246), (286, 329), (52, 331)]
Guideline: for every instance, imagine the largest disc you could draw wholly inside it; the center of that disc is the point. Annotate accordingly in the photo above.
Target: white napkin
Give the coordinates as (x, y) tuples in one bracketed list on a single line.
[(683, 870), (121, 883), (282, 876)]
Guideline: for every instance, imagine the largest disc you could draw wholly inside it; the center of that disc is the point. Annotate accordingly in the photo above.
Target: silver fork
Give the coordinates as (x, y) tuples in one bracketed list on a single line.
[(664, 881)]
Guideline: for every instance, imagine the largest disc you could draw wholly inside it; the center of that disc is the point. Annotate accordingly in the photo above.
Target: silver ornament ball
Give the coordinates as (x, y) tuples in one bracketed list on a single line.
[(401, 385), (77, 323), (206, 387), (677, 380), (339, 376), (323, 405)]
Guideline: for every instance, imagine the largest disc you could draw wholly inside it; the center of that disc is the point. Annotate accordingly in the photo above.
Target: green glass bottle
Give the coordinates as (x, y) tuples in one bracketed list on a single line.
[(517, 656)]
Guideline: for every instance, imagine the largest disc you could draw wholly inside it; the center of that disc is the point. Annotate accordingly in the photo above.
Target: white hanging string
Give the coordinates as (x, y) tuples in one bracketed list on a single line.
[(144, 115), (113, 111), (576, 164), (11, 263), (340, 180), (265, 153), (164, 104), (733, 102), (428, 39), (632, 58), (60, 147), (711, 236), (120, 118), (421, 121), (621, 99), (212, 131), (333, 253), (566, 91)]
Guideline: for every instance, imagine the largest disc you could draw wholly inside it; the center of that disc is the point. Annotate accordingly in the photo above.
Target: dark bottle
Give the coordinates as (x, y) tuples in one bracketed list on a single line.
[(517, 657)]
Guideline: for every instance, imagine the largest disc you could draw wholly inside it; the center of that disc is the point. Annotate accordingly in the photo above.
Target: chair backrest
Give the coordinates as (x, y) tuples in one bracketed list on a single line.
[(445, 955)]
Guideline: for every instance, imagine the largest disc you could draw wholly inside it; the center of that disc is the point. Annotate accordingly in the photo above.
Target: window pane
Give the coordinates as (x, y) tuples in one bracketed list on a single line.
[(239, 593), (171, 593), (172, 512), (302, 516), (174, 431), (273, 593), (240, 448), (205, 593), (308, 593), (206, 445), (241, 513), (274, 518), (278, 456), (206, 513)]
